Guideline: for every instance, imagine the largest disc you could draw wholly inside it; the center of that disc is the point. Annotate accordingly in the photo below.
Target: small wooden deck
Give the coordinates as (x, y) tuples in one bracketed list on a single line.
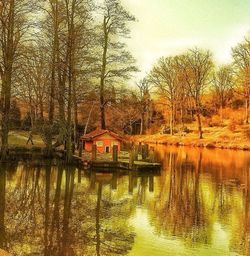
[(125, 165), (124, 161)]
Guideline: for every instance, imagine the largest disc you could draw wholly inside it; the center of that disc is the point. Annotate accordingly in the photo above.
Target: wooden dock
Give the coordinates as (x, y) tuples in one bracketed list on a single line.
[(126, 160), (125, 165)]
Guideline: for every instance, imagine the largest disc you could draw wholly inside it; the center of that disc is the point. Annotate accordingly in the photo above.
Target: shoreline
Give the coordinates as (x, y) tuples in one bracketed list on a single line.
[(190, 142)]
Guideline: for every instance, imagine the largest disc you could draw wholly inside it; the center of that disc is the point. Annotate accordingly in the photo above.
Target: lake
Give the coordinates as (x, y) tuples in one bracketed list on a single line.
[(199, 204)]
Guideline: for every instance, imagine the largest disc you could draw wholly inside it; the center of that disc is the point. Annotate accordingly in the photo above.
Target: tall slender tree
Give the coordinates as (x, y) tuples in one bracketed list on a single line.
[(165, 76), (197, 66), (144, 103), (116, 61), (241, 55), (14, 26), (223, 82)]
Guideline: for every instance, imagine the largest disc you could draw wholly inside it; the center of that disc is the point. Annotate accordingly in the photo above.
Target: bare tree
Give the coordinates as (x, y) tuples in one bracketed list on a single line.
[(14, 25), (144, 103), (66, 31), (77, 38), (50, 21), (165, 75), (32, 84), (223, 83), (197, 66), (241, 55), (116, 62)]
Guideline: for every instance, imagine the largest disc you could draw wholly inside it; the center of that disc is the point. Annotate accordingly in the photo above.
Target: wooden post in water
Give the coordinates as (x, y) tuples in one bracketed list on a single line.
[(136, 153), (130, 183), (115, 153), (144, 151), (92, 180), (147, 149), (144, 182), (131, 157), (135, 181), (152, 155), (114, 181), (143, 157), (140, 148), (94, 149), (151, 183)]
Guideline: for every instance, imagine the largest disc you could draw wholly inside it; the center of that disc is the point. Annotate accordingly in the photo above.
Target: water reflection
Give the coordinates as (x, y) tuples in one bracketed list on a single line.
[(204, 202), (58, 210), (198, 205)]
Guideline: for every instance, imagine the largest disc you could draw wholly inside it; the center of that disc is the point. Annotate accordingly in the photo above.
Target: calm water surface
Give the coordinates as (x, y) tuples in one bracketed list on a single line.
[(198, 205)]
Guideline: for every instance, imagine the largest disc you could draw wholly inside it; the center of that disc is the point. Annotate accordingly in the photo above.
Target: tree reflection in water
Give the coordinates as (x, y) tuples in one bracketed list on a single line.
[(51, 211), (200, 198), (196, 193), (2, 206), (179, 210)]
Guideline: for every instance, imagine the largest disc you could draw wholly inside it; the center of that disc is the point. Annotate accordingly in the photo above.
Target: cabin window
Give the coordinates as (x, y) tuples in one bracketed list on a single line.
[(99, 144), (107, 149)]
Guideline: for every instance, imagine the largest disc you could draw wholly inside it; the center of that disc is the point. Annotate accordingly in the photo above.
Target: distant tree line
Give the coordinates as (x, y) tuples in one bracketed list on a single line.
[(184, 82)]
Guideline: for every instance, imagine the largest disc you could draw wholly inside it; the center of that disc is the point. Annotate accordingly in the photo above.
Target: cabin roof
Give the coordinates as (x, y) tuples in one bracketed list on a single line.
[(98, 132)]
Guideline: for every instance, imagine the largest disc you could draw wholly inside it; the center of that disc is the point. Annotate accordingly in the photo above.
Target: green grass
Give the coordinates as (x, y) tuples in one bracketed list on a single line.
[(19, 138)]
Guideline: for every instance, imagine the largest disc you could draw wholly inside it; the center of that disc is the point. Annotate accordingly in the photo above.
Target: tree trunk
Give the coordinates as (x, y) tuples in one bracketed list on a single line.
[(199, 125), (70, 56), (247, 110), (221, 107), (6, 70), (52, 98), (103, 72), (171, 123), (75, 107), (6, 87), (69, 124), (2, 207), (102, 112), (61, 100), (182, 115), (221, 112), (87, 123), (142, 128), (41, 108)]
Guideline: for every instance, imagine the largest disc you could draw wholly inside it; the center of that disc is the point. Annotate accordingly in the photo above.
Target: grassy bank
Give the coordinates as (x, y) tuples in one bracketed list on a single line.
[(213, 137), (19, 138)]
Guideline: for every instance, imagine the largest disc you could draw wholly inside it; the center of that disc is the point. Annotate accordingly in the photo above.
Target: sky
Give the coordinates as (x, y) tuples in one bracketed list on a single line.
[(169, 27)]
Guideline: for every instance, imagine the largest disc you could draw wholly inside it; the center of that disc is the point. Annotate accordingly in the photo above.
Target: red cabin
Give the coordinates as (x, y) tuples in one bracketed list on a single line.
[(103, 139)]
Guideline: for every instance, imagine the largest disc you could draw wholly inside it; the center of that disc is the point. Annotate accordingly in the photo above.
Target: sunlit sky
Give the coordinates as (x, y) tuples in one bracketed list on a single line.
[(168, 27)]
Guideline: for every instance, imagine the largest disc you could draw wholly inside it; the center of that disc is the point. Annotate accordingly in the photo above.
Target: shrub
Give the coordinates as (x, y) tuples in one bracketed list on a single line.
[(247, 133), (15, 116), (216, 121), (232, 126), (213, 121), (238, 103), (184, 129), (224, 137)]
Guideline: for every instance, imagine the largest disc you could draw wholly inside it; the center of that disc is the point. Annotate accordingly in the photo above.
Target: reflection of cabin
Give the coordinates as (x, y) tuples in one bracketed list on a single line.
[(103, 139)]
